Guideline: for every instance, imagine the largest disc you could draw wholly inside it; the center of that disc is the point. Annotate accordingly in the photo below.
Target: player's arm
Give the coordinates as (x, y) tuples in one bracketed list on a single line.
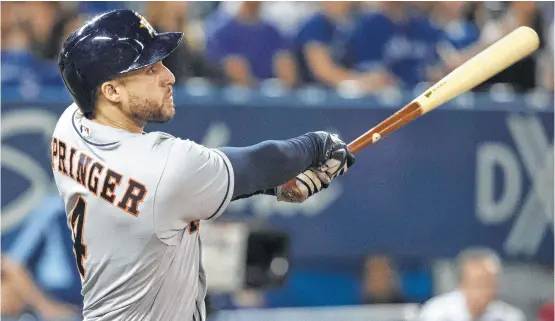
[(197, 183), (259, 169)]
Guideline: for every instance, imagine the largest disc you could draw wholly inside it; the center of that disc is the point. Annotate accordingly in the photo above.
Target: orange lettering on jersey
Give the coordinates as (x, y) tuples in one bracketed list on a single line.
[(54, 149), (112, 179), (93, 178), (82, 169), (133, 197), (62, 157), (71, 157), (89, 172)]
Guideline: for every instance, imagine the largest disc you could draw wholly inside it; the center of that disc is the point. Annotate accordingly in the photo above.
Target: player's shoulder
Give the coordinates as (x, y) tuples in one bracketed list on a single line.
[(158, 141), (163, 139), (160, 137)]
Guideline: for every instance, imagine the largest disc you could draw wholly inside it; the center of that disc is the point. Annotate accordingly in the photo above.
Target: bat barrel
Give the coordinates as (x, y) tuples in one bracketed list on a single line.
[(488, 63)]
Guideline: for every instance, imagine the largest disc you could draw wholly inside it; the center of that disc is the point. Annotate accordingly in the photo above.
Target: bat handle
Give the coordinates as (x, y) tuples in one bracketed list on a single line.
[(354, 147)]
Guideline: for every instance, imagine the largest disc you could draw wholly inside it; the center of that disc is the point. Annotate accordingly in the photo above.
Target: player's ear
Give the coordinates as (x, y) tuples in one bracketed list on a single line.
[(111, 91)]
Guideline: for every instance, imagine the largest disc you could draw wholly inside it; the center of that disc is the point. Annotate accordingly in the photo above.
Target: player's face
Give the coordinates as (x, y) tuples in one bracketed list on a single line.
[(149, 95)]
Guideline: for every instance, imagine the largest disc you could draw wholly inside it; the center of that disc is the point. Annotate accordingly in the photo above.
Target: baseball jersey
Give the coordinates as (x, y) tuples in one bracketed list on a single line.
[(133, 204), (452, 307)]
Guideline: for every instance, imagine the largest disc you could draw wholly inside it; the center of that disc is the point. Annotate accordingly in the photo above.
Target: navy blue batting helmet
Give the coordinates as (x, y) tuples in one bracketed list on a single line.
[(107, 46)]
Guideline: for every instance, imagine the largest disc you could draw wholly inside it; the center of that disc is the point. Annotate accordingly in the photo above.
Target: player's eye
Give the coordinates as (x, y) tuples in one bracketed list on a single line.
[(152, 69)]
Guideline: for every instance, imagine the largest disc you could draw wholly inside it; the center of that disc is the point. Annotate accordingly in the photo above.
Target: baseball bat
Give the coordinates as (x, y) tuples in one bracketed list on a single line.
[(486, 64)]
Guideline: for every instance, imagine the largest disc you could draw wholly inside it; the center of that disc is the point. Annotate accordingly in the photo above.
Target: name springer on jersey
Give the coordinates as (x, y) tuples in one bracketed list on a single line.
[(96, 177)]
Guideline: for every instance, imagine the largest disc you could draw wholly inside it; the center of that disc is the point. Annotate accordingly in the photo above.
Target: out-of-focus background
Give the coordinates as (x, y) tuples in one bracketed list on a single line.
[(383, 239)]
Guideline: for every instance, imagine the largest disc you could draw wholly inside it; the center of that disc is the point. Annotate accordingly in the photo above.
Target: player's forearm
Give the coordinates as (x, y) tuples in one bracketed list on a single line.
[(271, 163)]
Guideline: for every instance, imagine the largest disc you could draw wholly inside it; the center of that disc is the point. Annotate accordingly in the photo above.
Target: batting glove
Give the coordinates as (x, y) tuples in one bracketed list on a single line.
[(300, 189), (338, 160)]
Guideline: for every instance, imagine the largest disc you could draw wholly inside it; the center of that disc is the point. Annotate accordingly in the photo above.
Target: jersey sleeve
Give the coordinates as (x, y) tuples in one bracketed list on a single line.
[(196, 184)]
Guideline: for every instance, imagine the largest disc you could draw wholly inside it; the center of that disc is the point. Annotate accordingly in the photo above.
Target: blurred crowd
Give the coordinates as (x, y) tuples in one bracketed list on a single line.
[(368, 46)]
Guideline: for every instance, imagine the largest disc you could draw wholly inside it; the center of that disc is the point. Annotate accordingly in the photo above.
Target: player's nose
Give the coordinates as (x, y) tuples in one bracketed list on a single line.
[(169, 78)]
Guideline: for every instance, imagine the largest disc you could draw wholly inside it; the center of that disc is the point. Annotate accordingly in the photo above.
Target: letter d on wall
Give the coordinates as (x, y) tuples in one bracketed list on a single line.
[(489, 209)]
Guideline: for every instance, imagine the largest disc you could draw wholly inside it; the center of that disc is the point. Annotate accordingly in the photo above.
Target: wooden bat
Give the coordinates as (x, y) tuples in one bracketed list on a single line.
[(489, 62), (492, 60)]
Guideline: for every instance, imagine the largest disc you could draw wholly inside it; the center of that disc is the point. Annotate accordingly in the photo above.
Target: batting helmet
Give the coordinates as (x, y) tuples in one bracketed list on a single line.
[(107, 46)]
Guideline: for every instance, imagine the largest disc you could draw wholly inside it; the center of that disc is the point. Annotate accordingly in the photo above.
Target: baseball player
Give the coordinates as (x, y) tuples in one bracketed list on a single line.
[(134, 199)]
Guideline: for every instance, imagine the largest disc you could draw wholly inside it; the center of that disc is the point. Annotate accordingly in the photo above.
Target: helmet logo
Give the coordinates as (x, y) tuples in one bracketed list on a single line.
[(145, 24)]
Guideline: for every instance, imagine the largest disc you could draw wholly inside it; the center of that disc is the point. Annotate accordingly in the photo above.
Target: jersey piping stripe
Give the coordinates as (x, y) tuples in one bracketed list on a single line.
[(83, 138), (227, 191)]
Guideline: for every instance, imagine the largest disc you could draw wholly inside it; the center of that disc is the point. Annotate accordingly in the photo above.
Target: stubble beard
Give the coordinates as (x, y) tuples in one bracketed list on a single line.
[(150, 111)]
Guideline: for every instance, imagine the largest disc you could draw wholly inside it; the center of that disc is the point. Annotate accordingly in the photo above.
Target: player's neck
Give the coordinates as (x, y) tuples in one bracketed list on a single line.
[(117, 119)]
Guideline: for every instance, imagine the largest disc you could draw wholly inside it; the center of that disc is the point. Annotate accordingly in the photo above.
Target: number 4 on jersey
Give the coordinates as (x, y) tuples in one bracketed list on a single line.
[(77, 220)]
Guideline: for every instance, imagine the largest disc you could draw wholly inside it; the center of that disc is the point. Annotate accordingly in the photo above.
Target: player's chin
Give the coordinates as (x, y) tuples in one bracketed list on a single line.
[(169, 108), (166, 113)]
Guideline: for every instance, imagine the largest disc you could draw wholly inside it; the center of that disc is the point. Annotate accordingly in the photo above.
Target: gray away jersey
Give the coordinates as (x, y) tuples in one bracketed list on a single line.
[(133, 204)]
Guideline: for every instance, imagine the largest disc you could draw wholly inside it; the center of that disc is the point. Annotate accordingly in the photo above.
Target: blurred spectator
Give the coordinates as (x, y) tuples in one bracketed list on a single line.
[(20, 66), (20, 294), (41, 246), (92, 8), (380, 282), (68, 21), (547, 80), (48, 22), (475, 298), (184, 62), (321, 48), (287, 16), (461, 36), (250, 49), (546, 59), (394, 36), (500, 18), (39, 18), (460, 32), (547, 312)]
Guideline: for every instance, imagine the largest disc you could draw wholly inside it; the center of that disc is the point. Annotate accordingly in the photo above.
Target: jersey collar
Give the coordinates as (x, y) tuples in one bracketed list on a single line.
[(97, 134)]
